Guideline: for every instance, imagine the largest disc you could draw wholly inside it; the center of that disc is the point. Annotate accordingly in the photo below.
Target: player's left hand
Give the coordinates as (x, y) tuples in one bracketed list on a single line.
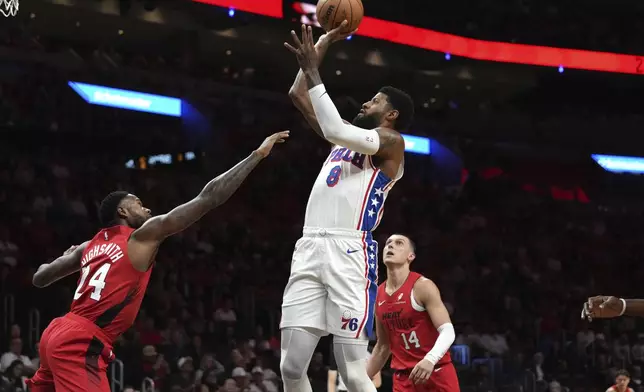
[(421, 372), (336, 34), (304, 50), (602, 306)]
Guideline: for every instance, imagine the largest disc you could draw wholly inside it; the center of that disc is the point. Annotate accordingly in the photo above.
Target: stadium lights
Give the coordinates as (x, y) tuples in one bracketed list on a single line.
[(477, 49), (126, 99), (417, 144), (620, 164)]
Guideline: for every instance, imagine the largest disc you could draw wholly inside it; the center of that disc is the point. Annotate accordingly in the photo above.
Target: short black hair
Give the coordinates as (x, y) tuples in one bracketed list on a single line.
[(412, 244), (402, 102), (109, 205), (622, 372)]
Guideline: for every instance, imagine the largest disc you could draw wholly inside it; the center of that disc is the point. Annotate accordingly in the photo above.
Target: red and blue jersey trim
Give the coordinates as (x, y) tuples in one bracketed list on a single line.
[(374, 200), (370, 249)]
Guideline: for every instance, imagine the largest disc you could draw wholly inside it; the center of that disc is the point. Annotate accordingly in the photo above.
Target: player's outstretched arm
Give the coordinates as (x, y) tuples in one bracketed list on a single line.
[(299, 92), (428, 295), (381, 352), (602, 306), (63, 266), (215, 193)]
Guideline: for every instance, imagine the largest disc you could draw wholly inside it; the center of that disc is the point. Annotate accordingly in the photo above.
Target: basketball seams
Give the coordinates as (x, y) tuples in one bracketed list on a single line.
[(330, 18), (323, 11), (350, 16), (337, 8)]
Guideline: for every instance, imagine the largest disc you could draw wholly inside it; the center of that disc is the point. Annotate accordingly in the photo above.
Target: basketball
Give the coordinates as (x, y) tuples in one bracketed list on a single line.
[(331, 13)]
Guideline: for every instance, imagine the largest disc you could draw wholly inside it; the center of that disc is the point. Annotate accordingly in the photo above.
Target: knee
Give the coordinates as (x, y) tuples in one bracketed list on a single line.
[(357, 378), (291, 369)]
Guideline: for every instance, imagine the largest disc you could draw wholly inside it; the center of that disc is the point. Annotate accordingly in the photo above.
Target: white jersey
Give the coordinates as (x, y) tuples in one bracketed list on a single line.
[(349, 193)]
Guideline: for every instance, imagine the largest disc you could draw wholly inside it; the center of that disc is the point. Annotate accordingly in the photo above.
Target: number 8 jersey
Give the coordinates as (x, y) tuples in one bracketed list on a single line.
[(349, 192), (110, 290), (411, 332)]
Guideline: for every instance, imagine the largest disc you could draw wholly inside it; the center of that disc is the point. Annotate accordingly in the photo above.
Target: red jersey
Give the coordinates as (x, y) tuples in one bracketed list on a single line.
[(110, 290), (411, 332)]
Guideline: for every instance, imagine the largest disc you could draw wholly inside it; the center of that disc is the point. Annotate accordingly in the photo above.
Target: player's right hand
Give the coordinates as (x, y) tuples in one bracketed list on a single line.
[(421, 372), (269, 142), (335, 35), (602, 306)]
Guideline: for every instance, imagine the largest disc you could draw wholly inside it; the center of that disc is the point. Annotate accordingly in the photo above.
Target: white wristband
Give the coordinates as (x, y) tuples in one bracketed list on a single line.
[(446, 336), (623, 306)]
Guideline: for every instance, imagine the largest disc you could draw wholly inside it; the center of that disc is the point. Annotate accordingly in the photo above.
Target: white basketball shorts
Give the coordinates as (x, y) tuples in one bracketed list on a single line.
[(333, 283)]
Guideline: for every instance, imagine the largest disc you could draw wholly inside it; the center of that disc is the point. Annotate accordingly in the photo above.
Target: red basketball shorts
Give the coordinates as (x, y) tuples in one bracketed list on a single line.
[(72, 357), (443, 379)]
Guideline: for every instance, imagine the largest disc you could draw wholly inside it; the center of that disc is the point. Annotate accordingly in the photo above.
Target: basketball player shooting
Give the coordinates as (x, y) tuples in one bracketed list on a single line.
[(115, 269), (334, 270), (602, 306), (413, 325)]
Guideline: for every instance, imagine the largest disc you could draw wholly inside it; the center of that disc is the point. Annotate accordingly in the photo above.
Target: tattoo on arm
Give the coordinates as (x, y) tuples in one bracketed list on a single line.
[(390, 141), (221, 188), (215, 193), (313, 78)]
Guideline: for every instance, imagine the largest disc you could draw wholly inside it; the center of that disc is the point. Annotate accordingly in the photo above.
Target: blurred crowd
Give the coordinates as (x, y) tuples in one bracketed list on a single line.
[(513, 267)]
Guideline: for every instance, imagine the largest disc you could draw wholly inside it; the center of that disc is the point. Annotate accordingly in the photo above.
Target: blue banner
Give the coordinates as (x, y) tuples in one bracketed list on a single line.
[(417, 144), (125, 99)]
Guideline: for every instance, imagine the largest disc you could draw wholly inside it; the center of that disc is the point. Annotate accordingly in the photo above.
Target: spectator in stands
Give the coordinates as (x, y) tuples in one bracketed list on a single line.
[(259, 384), (210, 365), (242, 378), (15, 353), (186, 377), (637, 352), (494, 342), (153, 366), (230, 386), (208, 381), (13, 379), (226, 313)]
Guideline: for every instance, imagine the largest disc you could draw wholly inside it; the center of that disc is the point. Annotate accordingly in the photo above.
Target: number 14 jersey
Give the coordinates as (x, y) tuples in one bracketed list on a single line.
[(110, 290), (349, 193), (410, 329)]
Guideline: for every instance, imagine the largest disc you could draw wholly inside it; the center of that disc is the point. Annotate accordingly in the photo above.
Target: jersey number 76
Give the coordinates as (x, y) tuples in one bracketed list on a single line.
[(96, 283)]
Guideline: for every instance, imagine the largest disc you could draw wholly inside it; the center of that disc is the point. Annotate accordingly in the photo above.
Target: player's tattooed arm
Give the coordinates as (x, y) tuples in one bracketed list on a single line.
[(391, 150), (63, 266), (215, 193)]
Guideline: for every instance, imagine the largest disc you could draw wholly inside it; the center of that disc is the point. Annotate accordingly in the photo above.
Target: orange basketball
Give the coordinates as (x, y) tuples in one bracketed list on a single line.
[(331, 13)]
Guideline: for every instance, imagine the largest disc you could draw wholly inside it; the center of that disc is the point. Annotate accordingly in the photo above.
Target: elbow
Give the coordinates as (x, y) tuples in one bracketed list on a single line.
[(297, 99), (38, 280), (40, 277)]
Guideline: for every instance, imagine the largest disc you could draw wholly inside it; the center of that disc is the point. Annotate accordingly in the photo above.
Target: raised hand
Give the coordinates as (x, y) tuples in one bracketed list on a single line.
[(304, 50), (269, 142), (335, 35), (602, 306)]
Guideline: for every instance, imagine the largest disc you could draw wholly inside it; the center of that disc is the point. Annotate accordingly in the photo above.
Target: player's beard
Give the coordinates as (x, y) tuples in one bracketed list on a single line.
[(366, 121)]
